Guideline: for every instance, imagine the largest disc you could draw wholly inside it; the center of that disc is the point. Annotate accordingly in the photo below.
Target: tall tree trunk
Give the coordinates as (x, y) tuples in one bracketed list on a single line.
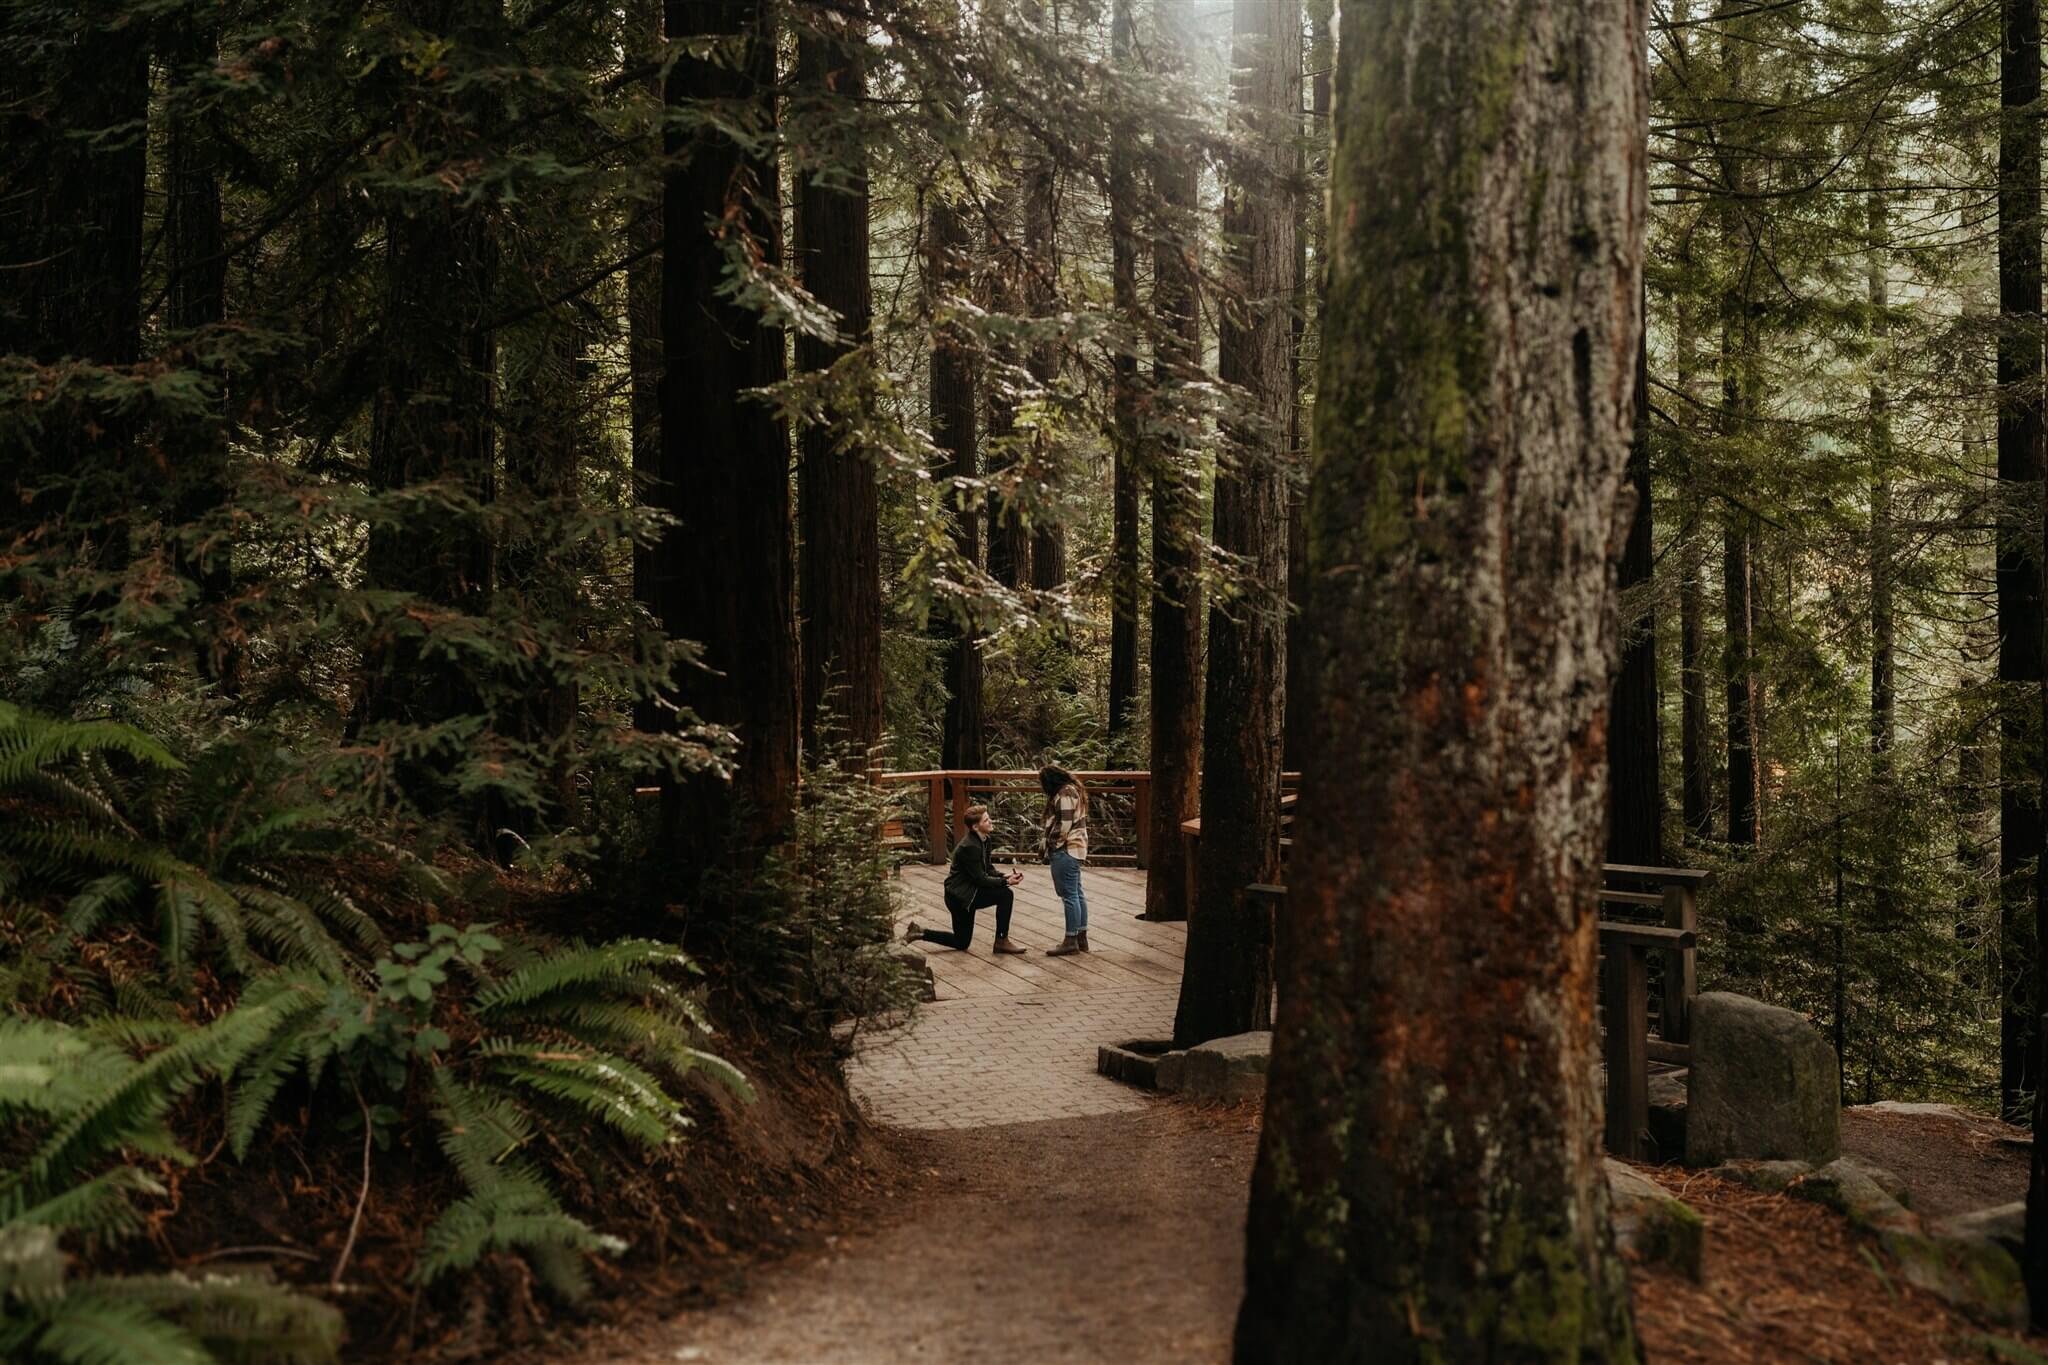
[(1309, 298), (1419, 1194), (1227, 984), (1009, 538), (726, 566), (195, 253), (2022, 418), (953, 432), (1696, 781), (1883, 629), (1123, 277), (433, 423), (1041, 300), (838, 507), (1176, 739), (1739, 405), (1635, 796), (644, 358)]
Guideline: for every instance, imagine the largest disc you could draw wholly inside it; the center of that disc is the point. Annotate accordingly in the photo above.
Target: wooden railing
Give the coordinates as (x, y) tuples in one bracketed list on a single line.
[(1669, 896), (1119, 808), (1650, 917)]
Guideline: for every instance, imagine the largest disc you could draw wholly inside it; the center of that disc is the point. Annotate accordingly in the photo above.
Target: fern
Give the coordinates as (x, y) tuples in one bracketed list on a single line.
[(615, 964), (96, 1100)]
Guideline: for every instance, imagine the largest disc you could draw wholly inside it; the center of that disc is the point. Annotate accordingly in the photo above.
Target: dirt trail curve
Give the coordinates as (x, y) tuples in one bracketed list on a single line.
[(1056, 1216)]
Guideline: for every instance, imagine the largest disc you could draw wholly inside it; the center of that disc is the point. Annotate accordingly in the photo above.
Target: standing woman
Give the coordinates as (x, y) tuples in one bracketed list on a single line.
[(1066, 848)]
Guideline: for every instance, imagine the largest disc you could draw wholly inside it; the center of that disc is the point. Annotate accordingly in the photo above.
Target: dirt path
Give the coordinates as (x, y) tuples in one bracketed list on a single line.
[(1118, 1236)]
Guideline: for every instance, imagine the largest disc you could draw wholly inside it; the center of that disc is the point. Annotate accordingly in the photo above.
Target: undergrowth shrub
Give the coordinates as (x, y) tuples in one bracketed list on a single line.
[(815, 949)]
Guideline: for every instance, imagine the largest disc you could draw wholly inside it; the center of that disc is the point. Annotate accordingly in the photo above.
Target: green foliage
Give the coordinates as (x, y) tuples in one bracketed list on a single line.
[(84, 1102), (816, 951)]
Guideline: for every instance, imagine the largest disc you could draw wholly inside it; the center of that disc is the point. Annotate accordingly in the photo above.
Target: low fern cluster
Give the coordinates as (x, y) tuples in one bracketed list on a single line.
[(80, 1100), (516, 1054)]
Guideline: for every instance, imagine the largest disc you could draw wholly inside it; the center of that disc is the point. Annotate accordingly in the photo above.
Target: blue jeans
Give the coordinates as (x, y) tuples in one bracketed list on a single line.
[(1066, 880)]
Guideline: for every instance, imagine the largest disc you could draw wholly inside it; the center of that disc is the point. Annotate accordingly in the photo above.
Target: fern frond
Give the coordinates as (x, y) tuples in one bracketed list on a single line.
[(603, 964), (602, 1084), (237, 1317), (98, 1210), (101, 1328), (30, 742), (291, 929), (102, 894)]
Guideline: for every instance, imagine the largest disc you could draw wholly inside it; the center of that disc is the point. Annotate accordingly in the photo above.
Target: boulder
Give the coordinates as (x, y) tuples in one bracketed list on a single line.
[(1231, 1068), (1652, 1226), (1763, 1085), (1667, 1114), (1974, 1274), (2005, 1224), (1855, 1191)]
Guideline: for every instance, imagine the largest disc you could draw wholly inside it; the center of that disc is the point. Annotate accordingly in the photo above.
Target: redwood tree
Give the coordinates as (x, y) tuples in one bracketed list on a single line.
[(1123, 279), (722, 576), (1635, 821), (837, 507), (953, 432), (1429, 1182), (1176, 739), (1227, 985), (2022, 418)]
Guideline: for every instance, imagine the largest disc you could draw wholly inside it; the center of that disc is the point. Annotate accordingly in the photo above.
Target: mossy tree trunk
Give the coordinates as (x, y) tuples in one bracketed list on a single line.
[(1429, 1183), (725, 567), (838, 507), (1123, 277), (1635, 794), (1176, 739), (1227, 984), (947, 269), (2022, 416)]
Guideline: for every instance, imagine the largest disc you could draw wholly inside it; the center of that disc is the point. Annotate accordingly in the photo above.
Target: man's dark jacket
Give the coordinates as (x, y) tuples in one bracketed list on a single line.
[(971, 873)]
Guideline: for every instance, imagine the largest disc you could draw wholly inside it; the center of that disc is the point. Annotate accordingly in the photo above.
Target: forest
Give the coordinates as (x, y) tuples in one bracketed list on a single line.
[(510, 506)]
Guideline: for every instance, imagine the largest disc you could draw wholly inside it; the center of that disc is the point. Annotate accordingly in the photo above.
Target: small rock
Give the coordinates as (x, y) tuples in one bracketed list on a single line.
[(1652, 1226), (1763, 1085), (1771, 1177)]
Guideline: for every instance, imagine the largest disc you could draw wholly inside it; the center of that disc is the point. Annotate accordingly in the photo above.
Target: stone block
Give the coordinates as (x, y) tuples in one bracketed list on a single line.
[(1974, 1274), (1667, 1114), (1134, 1063), (1172, 1071), (1652, 1226), (1763, 1085), (1231, 1068)]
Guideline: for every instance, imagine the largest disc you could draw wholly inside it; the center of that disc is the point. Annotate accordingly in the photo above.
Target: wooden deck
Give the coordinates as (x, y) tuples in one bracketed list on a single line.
[(1125, 951)]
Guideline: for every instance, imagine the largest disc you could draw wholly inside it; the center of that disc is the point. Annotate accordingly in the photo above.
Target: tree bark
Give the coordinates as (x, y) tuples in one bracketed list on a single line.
[(1308, 290), (1429, 1183), (1041, 300), (644, 358), (953, 432), (1635, 794), (725, 568), (1697, 782), (2021, 420), (838, 506), (1227, 984), (1176, 739), (1123, 276), (1739, 404), (1883, 627)]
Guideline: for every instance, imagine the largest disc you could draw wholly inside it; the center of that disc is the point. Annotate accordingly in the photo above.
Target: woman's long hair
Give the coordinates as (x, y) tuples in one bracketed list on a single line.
[(1052, 780)]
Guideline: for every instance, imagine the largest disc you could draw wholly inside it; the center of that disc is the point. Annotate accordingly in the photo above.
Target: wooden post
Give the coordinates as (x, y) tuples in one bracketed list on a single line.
[(1681, 979), (1625, 992), (936, 843), (1141, 813)]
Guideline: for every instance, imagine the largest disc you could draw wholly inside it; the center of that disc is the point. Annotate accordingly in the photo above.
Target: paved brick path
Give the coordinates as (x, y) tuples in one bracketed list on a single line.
[(1013, 1039)]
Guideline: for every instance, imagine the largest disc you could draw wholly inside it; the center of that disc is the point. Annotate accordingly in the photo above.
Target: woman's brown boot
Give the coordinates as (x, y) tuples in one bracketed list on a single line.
[(1068, 947), (1082, 939)]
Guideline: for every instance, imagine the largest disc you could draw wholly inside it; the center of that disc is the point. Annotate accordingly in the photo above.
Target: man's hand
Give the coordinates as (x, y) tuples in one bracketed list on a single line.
[(1015, 879)]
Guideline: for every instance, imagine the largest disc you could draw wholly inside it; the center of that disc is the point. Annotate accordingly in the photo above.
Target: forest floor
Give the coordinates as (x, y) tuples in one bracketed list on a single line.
[(1014, 1206)]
